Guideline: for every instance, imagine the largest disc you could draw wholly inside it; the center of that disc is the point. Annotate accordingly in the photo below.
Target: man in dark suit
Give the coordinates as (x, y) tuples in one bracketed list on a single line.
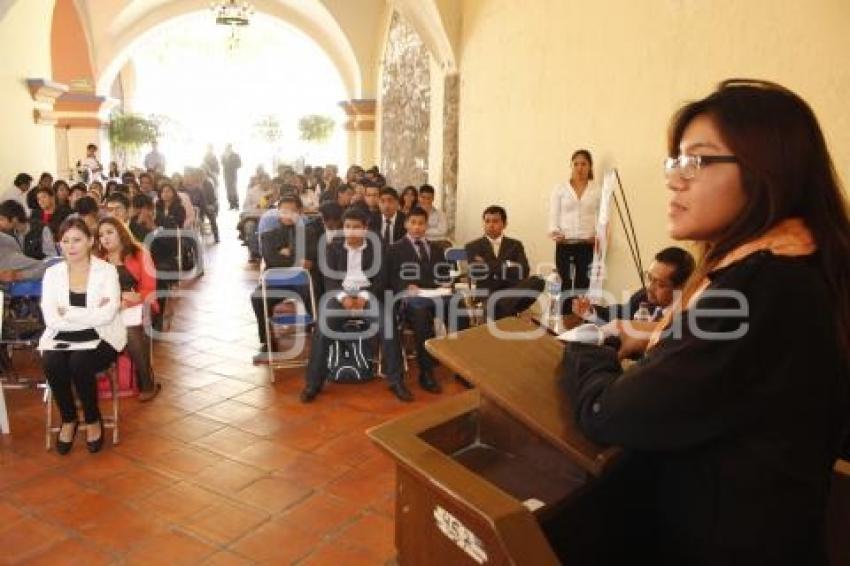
[(666, 276), (292, 244), (415, 264), (354, 284), (389, 223), (498, 263)]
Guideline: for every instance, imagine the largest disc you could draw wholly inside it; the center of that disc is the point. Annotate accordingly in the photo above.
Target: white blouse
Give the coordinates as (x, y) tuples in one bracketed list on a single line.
[(572, 216), (102, 284)]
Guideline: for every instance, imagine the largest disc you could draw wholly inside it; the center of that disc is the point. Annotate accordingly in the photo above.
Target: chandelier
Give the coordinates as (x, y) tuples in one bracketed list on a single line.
[(232, 12)]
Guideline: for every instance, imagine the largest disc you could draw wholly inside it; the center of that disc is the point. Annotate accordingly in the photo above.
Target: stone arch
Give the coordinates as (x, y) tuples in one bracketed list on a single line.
[(437, 22), (139, 18), (69, 48)]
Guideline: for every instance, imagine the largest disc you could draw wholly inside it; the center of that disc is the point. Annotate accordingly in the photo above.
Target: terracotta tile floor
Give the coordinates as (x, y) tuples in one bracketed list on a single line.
[(222, 468)]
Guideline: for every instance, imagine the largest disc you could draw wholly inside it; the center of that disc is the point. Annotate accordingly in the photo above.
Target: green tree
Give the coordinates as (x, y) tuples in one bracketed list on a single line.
[(128, 132), (316, 128)]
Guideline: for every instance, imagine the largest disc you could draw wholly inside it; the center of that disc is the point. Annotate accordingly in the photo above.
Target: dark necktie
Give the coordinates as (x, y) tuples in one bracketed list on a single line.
[(423, 251), (386, 236)]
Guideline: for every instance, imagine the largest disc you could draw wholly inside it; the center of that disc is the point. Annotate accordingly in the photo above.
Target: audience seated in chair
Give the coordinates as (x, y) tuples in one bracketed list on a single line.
[(388, 224), (497, 263), (49, 213), (354, 285), (413, 264), (33, 238), (136, 275), (83, 332), (292, 244), (118, 206), (438, 226)]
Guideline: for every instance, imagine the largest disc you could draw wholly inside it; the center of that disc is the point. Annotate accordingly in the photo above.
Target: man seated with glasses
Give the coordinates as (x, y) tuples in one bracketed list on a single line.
[(666, 276)]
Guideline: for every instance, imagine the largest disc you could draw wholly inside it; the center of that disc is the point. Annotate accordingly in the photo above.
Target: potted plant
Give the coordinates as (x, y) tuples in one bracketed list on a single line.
[(128, 132)]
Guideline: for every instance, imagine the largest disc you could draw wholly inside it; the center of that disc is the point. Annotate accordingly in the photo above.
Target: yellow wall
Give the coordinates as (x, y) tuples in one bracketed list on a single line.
[(25, 52), (541, 78)]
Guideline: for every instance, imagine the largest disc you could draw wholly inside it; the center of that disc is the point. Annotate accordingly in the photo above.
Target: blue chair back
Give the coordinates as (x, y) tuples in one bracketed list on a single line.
[(456, 254)]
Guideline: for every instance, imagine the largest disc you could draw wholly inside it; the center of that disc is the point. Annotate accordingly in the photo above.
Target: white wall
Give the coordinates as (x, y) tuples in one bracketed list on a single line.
[(540, 79), (25, 53)]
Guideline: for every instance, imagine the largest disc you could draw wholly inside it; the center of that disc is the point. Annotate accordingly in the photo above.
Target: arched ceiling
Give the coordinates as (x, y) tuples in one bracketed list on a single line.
[(120, 23)]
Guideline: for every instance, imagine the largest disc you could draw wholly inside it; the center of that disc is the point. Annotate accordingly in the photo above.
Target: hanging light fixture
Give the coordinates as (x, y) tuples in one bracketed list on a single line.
[(232, 12)]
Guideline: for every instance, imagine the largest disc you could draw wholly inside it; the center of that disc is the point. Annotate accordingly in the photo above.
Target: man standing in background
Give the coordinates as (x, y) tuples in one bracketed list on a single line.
[(155, 161), (231, 162)]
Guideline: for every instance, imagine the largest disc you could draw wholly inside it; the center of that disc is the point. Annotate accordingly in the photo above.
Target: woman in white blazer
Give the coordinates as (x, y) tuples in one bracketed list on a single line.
[(80, 301)]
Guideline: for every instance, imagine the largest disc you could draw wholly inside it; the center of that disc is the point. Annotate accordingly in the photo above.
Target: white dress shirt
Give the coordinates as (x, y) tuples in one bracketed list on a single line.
[(572, 216), (437, 224), (496, 244), (355, 279)]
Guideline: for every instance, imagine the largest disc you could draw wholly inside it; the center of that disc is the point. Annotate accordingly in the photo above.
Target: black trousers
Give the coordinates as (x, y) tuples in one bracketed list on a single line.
[(80, 368), (139, 350), (420, 313), (391, 348), (579, 255), (230, 189), (271, 301), (509, 305), (211, 213)]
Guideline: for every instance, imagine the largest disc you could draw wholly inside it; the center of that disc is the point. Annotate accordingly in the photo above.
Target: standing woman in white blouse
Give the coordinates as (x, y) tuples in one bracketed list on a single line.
[(80, 300), (573, 210)]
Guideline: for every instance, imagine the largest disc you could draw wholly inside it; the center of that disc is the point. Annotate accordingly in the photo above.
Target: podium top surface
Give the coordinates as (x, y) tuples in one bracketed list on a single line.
[(517, 365)]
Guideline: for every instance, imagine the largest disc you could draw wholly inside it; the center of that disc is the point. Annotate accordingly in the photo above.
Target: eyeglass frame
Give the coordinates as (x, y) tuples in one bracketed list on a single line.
[(674, 164), (660, 283)]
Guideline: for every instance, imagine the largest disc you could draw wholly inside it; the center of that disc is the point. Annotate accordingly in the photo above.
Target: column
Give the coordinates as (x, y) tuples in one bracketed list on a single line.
[(360, 131)]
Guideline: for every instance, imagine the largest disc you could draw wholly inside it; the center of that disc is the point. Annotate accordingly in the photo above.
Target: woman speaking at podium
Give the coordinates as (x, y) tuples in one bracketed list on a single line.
[(739, 407)]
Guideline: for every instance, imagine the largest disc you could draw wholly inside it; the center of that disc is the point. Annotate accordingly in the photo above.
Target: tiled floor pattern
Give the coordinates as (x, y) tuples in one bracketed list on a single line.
[(222, 468)]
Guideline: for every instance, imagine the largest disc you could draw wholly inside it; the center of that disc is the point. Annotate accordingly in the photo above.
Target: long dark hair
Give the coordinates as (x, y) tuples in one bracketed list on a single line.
[(786, 171), (586, 154), (129, 245)]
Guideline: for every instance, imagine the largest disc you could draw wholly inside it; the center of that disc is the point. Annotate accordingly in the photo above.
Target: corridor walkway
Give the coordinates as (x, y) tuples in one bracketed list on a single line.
[(222, 468)]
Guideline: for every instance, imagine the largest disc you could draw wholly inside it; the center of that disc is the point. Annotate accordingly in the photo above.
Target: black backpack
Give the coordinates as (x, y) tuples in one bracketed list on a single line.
[(33, 240), (350, 360)]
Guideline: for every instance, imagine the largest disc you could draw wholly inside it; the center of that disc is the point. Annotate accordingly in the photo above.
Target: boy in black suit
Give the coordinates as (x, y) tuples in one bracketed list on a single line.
[(414, 263), (498, 263), (354, 283), (389, 223)]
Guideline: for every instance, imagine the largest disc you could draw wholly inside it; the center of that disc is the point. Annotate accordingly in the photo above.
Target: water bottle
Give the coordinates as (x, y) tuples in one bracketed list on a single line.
[(643, 313), (553, 291)]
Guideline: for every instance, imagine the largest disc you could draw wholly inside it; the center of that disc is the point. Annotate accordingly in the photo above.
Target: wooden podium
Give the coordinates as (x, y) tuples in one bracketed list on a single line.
[(502, 475), (484, 477)]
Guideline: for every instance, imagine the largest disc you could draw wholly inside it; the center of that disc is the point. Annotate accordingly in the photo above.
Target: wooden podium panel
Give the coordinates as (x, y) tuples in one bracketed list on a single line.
[(498, 474), (519, 369)]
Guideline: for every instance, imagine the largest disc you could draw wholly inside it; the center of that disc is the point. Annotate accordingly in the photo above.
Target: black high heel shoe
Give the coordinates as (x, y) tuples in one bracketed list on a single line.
[(96, 445), (63, 447)]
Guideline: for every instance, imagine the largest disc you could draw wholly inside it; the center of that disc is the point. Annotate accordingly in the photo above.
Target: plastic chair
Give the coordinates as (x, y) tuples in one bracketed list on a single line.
[(109, 422), (286, 277)]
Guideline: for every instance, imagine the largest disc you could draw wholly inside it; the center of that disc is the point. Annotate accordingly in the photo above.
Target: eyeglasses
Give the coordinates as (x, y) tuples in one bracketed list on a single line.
[(688, 166), (653, 280)]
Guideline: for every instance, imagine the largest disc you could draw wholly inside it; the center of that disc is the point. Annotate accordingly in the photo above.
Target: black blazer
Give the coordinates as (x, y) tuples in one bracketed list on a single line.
[(337, 263), (497, 274), (289, 236), (739, 435), (376, 225), (405, 268)]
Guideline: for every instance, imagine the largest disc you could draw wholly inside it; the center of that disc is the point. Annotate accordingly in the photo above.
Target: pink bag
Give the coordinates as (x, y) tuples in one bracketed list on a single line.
[(127, 386)]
